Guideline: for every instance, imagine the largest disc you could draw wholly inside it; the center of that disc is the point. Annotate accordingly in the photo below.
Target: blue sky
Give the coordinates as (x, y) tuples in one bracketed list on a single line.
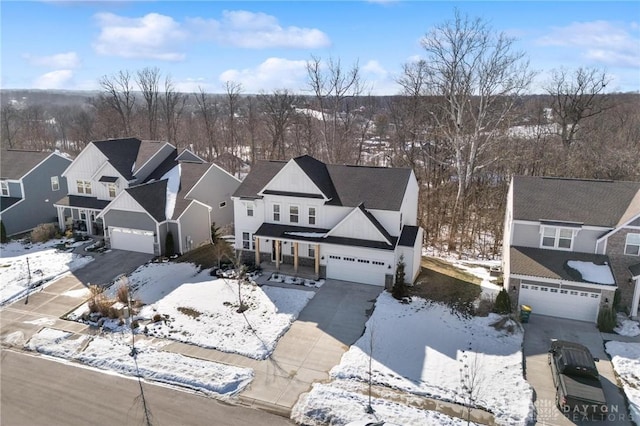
[(264, 44)]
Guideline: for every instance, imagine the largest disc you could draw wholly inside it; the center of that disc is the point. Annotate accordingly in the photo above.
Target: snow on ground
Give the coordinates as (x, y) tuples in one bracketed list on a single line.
[(333, 405), (114, 354), (627, 327), (433, 357), (202, 310), (481, 269), (625, 358), (45, 263)]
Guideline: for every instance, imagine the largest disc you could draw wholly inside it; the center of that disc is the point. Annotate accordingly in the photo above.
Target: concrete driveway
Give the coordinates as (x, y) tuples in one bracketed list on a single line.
[(538, 334)]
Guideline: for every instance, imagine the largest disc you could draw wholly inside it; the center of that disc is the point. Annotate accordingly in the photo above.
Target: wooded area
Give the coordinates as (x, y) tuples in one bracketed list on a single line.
[(464, 120)]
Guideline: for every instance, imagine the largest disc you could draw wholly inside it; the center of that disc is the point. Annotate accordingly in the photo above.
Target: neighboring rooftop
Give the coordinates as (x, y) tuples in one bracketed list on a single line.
[(15, 163), (589, 202)]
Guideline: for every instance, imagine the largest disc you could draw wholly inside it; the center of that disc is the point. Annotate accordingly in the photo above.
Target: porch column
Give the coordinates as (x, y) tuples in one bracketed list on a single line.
[(61, 223), (295, 257), (277, 255), (635, 301), (87, 222), (257, 251), (317, 264)]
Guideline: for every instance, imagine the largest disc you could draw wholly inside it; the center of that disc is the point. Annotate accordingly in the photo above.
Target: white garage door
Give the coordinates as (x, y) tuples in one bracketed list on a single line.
[(559, 302), (131, 239), (359, 270)]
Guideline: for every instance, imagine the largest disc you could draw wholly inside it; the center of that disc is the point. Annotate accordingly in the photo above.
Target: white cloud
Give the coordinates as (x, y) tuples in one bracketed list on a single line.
[(61, 60), (272, 74), (251, 30), (193, 85), (600, 41), (153, 36), (374, 67), (58, 79)]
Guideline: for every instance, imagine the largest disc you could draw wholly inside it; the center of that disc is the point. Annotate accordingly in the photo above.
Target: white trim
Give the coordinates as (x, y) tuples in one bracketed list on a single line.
[(559, 224), (619, 227), (352, 212), (635, 300), (136, 168), (261, 192), (297, 206), (189, 206), (40, 163), (556, 238), (190, 152), (206, 173), (4, 185), (626, 243), (564, 282), (273, 219)]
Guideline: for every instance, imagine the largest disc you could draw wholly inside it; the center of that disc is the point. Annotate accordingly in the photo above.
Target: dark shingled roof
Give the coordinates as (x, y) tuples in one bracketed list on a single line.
[(146, 151), (589, 202), (6, 202), (375, 222), (408, 236), (15, 163), (635, 269), (190, 173), (536, 262), (152, 197), (82, 202), (379, 188), (122, 154), (187, 155)]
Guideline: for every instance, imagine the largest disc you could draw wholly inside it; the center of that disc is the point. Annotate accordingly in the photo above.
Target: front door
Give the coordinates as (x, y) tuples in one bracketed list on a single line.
[(273, 251)]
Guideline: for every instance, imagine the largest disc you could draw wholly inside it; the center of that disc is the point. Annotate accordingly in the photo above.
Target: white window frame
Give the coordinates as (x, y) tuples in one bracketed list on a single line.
[(312, 217), (291, 214), (112, 189), (635, 244), (249, 242), (55, 183), (84, 187), (312, 251), (557, 237), (277, 215), (250, 210), (4, 188)]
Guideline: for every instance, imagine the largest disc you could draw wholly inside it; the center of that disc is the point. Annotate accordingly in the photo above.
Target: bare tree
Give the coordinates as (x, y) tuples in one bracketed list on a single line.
[(209, 110), (148, 80), (10, 117), (173, 104), (278, 109), (118, 95), (477, 76), (233, 91), (333, 87), (577, 96)]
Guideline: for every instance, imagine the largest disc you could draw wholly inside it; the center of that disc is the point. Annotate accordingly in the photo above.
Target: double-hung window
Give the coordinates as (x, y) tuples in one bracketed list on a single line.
[(276, 212), (293, 214), (247, 241), (4, 187), (55, 183), (112, 190), (312, 251), (557, 238), (312, 215), (249, 209), (84, 186), (632, 246)]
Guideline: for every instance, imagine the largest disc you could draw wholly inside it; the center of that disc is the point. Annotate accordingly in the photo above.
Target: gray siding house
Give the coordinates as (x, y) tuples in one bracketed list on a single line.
[(30, 183), (569, 244)]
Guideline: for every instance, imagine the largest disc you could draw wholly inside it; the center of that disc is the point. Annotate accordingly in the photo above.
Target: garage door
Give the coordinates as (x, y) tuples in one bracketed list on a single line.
[(359, 270), (131, 239), (558, 302)]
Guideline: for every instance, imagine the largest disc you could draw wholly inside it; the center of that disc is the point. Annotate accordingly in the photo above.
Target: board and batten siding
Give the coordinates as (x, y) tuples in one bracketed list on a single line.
[(215, 187), (195, 227), (129, 219)]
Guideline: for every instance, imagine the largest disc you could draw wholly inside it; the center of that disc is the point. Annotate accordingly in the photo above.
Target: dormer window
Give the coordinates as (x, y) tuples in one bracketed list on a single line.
[(112, 188), (557, 238)]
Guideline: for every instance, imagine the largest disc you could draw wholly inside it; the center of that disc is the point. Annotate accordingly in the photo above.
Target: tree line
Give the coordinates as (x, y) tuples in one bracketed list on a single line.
[(464, 120)]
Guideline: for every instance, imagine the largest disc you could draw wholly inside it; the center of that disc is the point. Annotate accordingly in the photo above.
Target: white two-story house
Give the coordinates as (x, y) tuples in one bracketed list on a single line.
[(569, 244), (343, 222)]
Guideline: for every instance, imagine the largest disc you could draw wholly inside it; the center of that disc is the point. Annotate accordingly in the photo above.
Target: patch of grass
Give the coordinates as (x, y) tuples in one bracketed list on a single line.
[(189, 312), (446, 268), (441, 282)]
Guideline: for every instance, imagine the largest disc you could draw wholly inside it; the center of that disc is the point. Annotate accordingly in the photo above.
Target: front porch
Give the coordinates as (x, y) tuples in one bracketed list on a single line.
[(304, 272), (79, 214), (273, 259)]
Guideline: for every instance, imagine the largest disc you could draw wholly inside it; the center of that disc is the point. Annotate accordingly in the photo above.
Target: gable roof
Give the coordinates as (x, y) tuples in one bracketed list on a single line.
[(15, 163), (121, 153), (152, 197), (589, 202), (379, 188), (147, 150), (187, 155), (190, 174)]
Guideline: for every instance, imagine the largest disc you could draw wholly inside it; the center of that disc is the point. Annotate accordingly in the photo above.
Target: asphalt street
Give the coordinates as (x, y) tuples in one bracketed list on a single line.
[(38, 391)]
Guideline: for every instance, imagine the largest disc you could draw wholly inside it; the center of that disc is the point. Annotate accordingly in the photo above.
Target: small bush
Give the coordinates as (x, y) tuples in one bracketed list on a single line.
[(399, 290), (169, 249), (157, 318), (485, 307), (606, 319), (503, 303), (3, 233), (123, 294), (43, 232), (135, 324)]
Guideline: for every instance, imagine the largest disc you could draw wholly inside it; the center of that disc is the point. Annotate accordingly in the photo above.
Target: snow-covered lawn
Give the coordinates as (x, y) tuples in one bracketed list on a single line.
[(626, 326), (45, 263), (625, 358), (114, 354), (427, 358), (202, 310)]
